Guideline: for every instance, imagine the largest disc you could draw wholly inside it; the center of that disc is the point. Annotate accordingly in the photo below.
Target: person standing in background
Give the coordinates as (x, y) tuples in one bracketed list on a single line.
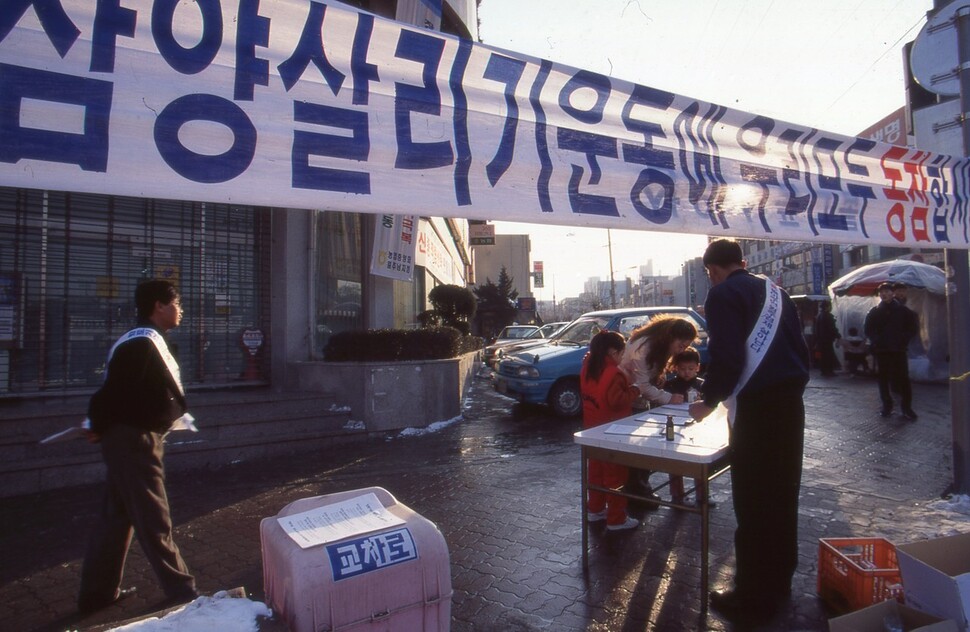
[(130, 415), (758, 368), (889, 327), (826, 335)]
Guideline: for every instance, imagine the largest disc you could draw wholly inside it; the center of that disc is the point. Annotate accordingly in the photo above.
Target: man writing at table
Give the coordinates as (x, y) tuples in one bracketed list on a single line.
[(758, 368)]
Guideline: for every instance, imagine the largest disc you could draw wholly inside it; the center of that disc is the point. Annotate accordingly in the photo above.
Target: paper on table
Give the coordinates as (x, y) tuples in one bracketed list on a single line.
[(633, 431), (330, 523), (682, 407), (679, 420)]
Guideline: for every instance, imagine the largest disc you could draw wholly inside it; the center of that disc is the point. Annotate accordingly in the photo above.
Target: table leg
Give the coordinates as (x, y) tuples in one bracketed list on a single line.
[(582, 504), (702, 500)]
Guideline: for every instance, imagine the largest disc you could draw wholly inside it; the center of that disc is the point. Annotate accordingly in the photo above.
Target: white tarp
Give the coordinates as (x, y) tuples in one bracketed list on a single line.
[(929, 352), (293, 103)]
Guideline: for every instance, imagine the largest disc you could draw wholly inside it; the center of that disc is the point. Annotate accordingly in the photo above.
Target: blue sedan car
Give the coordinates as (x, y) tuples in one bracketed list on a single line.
[(549, 373)]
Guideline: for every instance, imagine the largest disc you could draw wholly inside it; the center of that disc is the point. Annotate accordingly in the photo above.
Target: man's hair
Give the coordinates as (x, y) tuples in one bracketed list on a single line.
[(690, 354), (885, 285), (899, 285), (723, 252), (149, 292)]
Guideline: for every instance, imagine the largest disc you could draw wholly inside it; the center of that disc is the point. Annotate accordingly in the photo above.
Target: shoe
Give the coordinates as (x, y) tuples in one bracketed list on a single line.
[(886, 412), (597, 516), (681, 501), (629, 523), (735, 607), (87, 605), (910, 415), (646, 504)]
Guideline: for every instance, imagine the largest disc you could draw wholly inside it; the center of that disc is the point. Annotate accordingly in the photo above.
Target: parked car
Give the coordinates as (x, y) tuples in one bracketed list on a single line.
[(549, 373), (546, 333), (508, 335)]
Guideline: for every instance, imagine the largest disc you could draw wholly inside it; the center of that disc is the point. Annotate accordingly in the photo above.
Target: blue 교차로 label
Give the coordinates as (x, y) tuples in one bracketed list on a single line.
[(350, 558)]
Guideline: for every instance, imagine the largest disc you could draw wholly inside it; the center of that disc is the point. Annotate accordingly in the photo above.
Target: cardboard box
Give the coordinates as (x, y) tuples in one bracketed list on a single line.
[(873, 619), (936, 576)]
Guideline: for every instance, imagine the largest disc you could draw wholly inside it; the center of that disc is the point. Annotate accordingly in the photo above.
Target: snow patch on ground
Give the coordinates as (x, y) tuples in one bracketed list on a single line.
[(206, 614), (435, 427), (958, 503)]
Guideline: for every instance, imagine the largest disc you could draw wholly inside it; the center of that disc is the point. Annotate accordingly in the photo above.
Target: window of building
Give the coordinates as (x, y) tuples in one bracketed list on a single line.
[(69, 265), (338, 278)]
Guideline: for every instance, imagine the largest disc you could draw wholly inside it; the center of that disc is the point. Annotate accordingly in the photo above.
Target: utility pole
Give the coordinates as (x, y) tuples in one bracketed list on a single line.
[(958, 289), (609, 245), (940, 62)]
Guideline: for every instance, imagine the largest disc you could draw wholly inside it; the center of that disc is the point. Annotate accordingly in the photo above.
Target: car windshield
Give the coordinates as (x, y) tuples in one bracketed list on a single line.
[(518, 332), (582, 330), (627, 324)]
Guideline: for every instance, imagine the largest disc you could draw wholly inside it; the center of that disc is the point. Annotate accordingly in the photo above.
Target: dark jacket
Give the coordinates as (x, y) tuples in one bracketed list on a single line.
[(138, 391), (826, 332), (732, 310), (679, 386), (889, 327)]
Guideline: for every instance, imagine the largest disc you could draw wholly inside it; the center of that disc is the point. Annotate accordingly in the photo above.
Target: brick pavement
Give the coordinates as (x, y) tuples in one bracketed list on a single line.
[(502, 484)]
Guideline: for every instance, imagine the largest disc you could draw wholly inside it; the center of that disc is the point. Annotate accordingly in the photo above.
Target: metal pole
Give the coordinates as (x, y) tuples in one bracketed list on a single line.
[(958, 291), (609, 244)]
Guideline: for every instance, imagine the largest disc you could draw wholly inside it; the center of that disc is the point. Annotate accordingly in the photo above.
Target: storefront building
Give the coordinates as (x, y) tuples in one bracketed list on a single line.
[(261, 287)]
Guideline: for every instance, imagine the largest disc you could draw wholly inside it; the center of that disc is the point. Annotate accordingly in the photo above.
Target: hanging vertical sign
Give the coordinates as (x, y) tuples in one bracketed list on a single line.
[(537, 280), (394, 247), (481, 233)]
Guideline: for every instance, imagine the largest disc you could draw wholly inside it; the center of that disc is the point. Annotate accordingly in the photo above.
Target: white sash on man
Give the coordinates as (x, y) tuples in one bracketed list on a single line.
[(186, 421), (756, 346)]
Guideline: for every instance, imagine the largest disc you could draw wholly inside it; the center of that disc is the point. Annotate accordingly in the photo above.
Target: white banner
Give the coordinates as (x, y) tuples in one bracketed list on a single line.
[(395, 243), (297, 103)]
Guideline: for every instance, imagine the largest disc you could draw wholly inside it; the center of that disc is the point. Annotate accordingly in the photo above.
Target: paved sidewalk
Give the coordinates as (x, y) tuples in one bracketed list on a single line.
[(502, 484)]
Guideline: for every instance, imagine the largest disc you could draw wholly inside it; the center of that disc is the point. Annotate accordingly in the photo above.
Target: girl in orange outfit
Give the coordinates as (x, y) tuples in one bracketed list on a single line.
[(607, 396)]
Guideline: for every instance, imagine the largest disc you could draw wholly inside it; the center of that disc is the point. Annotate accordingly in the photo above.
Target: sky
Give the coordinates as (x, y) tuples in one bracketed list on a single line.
[(831, 64)]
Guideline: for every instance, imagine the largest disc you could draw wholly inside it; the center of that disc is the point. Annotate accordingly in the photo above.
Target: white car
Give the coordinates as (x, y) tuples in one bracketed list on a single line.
[(502, 346)]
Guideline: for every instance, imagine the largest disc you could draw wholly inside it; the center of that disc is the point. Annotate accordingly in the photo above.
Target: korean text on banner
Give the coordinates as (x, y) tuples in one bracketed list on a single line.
[(306, 104)]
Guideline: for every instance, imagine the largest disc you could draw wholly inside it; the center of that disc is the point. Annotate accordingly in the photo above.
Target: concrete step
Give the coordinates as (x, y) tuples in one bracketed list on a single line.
[(234, 425)]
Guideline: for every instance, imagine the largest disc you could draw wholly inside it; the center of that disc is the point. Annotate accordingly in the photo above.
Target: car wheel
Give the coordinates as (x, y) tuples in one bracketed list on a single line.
[(565, 398)]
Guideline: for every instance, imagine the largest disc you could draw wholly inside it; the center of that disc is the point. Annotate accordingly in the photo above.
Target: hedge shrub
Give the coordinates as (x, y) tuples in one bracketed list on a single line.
[(397, 345)]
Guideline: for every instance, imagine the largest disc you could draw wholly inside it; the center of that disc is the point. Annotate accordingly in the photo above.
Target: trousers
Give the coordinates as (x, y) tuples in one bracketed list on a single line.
[(135, 500), (766, 447), (612, 476), (893, 375)]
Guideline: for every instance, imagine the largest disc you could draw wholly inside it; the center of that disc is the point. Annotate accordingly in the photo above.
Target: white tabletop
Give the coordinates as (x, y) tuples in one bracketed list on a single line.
[(644, 434)]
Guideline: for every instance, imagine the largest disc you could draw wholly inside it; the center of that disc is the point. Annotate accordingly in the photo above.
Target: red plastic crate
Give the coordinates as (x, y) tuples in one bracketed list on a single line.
[(854, 573)]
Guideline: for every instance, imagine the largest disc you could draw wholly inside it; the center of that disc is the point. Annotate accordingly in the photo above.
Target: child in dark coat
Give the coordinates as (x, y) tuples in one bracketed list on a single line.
[(686, 365)]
